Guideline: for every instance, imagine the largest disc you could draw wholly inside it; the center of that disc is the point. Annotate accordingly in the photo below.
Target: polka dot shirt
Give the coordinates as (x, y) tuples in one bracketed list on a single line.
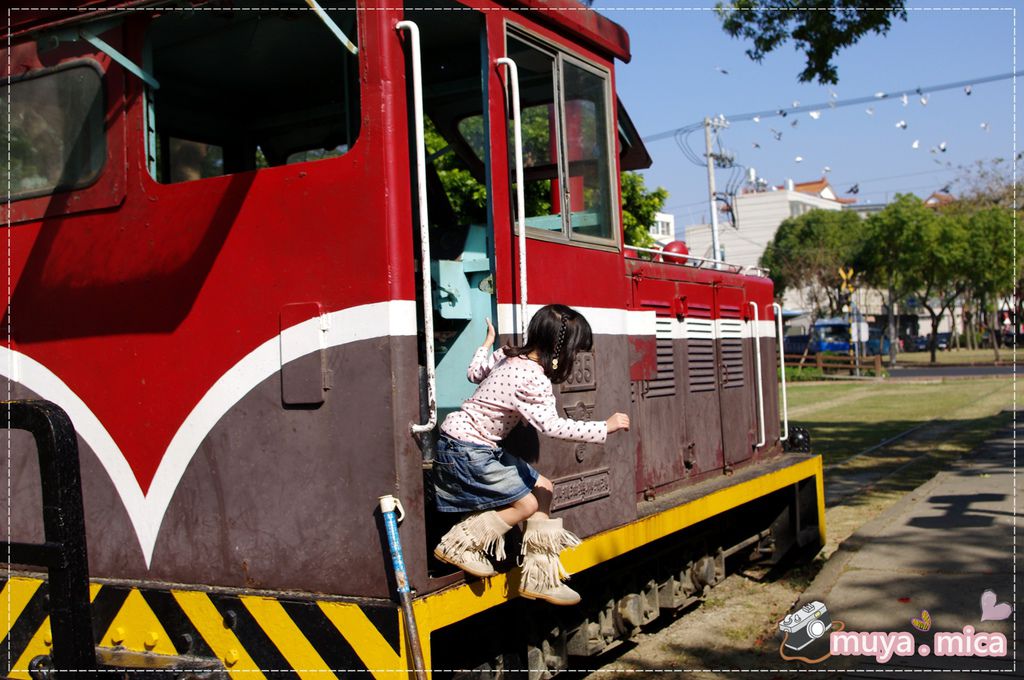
[(513, 390)]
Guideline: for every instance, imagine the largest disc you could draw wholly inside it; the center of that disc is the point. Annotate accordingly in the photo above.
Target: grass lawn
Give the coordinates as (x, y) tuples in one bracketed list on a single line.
[(846, 418), (954, 356)]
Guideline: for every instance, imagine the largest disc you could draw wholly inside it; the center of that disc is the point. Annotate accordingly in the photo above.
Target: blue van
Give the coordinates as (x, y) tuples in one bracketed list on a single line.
[(833, 335)]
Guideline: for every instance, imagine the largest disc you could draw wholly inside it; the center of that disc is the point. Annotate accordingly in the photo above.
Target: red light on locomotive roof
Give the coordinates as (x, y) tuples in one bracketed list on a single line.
[(677, 247)]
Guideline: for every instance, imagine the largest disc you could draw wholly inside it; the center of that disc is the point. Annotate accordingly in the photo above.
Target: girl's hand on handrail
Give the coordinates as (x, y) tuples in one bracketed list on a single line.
[(617, 421), (489, 339)]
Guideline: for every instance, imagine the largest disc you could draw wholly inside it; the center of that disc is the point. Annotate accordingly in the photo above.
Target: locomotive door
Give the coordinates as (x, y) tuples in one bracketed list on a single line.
[(461, 235), (701, 412), (736, 385), (662, 457)]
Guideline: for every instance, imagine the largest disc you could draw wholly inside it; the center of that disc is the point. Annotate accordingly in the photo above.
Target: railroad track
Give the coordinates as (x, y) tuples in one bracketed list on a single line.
[(850, 476)]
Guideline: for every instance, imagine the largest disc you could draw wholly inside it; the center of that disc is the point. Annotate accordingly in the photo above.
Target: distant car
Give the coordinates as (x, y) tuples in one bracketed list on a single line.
[(942, 341), (795, 344), (877, 343), (830, 335)]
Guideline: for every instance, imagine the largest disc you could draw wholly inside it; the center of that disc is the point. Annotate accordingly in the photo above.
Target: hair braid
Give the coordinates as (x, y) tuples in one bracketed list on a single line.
[(560, 343)]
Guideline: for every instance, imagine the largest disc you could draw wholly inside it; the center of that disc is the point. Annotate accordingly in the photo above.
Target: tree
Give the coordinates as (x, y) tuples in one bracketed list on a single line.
[(807, 252), (920, 251), (988, 183), (819, 28), (467, 196), (638, 208), (987, 205)]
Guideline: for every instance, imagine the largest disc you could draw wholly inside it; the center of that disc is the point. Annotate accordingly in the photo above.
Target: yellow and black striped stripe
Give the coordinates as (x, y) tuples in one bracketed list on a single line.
[(251, 635), (259, 635)]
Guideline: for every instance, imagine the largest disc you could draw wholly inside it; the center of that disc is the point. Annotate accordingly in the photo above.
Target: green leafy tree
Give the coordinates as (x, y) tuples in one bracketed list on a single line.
[(807, 252), (638, 208), (990, 270), (819, 28), (467, 196), (982, 186), (919, 251)]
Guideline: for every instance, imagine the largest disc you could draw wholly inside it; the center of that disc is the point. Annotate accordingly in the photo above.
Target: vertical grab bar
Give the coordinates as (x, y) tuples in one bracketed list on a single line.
[(760, 389), (520, 190), (777, 309), (421, 189)]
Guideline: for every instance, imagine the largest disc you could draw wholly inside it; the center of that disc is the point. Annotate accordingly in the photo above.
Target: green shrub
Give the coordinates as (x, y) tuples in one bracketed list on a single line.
[(809, 372)]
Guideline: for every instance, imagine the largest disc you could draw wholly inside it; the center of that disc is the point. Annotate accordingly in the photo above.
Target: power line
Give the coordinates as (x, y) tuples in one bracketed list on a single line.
[(838, 182), (681, 133), (884, 179)]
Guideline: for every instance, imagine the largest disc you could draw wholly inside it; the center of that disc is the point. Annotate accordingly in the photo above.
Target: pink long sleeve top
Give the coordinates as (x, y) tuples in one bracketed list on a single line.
[(513, 390)]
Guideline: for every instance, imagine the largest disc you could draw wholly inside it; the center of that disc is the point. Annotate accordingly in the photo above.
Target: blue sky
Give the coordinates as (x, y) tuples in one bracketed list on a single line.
[(675, 79)]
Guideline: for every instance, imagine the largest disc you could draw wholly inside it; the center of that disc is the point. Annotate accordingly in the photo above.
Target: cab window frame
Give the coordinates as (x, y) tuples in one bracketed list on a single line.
[(84, 184), (234, 153), (563, 54)]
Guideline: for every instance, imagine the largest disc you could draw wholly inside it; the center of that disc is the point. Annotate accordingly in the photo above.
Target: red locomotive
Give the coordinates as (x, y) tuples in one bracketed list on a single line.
[(251, 250)]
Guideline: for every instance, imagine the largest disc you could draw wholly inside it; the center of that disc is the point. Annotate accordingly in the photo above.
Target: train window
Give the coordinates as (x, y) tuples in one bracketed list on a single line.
[(567, 146), (586, 140), (188, 160), (247, 89), (539, 134), (55, 131)]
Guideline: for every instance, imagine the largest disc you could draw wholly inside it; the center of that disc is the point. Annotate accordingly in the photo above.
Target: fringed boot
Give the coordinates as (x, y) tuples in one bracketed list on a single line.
[(542, 570), (467, 544)]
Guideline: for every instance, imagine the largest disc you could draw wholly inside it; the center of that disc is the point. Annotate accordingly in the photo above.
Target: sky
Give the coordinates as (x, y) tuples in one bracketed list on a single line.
[(684, 67)]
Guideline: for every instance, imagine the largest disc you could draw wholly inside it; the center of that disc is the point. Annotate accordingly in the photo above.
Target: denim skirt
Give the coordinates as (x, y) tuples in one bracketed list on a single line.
[(471, 477)]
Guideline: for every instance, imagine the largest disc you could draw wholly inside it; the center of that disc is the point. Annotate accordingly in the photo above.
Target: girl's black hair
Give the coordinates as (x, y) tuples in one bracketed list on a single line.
[(556, 333)]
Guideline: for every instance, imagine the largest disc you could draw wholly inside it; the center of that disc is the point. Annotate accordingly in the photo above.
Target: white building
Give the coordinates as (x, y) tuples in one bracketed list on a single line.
[(758, 215), (664, 228)]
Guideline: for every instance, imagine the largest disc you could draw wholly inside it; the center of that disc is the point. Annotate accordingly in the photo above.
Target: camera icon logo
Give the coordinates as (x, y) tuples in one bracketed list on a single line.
[(806, 625)]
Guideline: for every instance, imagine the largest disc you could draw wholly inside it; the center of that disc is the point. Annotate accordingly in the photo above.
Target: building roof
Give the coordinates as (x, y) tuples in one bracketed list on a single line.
[(939, 198), (820, 188)]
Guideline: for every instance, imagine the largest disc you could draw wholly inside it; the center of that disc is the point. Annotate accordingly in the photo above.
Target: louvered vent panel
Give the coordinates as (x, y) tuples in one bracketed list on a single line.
[(665, 384), (731, 331), (700, 353)]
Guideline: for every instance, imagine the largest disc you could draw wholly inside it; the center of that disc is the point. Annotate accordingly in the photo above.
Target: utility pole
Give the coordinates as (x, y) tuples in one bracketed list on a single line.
[(715, 245)]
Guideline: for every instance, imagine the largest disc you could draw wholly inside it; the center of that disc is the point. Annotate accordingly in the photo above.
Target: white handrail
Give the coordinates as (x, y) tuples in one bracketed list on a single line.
[(777, 309), (513, 71), (698, 262), (421, 189), (760, 390)]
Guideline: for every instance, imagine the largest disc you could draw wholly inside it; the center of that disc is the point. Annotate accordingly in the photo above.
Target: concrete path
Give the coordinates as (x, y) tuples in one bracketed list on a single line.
[(937, 550)]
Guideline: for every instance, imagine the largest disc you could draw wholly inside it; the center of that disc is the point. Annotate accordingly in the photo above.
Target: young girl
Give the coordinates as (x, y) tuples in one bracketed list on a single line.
[(472, 473)]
